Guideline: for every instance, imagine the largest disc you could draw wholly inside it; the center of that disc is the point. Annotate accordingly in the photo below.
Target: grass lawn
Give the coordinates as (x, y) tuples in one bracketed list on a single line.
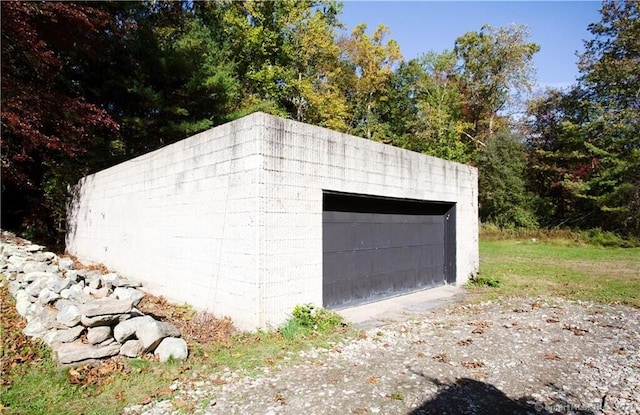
[(518, 268)]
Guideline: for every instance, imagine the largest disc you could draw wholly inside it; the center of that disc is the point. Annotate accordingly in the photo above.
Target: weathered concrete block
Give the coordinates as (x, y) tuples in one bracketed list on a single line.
[(231, 220)]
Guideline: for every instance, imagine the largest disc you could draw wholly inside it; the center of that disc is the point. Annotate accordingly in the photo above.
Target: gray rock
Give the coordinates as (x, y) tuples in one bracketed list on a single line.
[(50, 338), (15, 267), (52, 268), (151, 334), (99, 293), (105, 320), (47, 296), (111, 278), (29, 277), (98, 334), (33, 248), (128, 283), (128, 328), (45, 256), (14, 286), (126, 293), (106, 306), (75, 352), (36, 286), (75, 291), (95, 283), (57, 284), (171, 347), (132, 348), (90, 275), (72, 275), (65, 263), (13, 276), (136, 313), (68, 313), (48, 317), (22, 303), (55, 337), (34, 266), (35, 328), (16, 258), (107, 342)]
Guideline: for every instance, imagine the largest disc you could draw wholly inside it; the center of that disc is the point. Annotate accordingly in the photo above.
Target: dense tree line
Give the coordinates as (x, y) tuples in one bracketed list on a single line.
[(86, 85)]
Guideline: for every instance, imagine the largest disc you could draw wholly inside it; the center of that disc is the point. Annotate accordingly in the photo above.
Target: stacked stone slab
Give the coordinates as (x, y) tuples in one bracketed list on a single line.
[(82, 315)]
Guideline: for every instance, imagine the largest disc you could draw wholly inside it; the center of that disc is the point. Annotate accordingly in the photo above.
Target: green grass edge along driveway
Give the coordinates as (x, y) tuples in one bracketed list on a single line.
[(530, 268)]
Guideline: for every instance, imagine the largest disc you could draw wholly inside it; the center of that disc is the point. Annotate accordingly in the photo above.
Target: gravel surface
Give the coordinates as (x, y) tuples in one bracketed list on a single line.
[(514, 356)]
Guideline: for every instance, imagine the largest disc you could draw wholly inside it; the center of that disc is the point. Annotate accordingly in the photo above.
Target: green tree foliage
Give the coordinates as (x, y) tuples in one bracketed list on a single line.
[(424, 109), (86, 85), (610, 74), (495, 64), (585, 143), (440, 127), (399, 111), (169, 76), (371, 61), (504, 199), (288, 59), (452, 103)]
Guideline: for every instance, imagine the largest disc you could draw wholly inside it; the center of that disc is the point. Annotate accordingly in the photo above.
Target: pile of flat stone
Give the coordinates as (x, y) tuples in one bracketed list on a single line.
[(82, 314)]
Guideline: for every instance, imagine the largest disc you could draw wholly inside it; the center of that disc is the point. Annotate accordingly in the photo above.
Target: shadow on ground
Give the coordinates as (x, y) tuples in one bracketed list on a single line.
[(472, 397)]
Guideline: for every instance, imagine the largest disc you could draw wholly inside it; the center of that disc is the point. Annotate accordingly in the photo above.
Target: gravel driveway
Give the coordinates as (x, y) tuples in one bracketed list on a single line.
[(514, 356)]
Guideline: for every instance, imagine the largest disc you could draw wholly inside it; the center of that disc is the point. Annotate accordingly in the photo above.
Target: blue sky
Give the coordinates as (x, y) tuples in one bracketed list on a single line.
[(559, 27)]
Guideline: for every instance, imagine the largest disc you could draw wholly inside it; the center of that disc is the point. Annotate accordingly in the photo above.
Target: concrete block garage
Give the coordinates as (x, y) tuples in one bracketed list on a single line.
[(252, 217)]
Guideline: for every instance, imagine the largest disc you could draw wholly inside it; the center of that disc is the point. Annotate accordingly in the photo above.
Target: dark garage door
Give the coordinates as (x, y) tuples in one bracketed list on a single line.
[(380, 247)]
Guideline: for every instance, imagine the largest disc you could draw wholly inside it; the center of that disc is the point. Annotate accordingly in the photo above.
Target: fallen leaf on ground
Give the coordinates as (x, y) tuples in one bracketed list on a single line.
[(472, 365), (465, 342), (442, 357), (373, 380)]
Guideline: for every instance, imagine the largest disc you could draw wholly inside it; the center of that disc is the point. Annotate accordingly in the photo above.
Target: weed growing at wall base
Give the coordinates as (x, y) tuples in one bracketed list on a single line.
[(308, 319), (482, 281)]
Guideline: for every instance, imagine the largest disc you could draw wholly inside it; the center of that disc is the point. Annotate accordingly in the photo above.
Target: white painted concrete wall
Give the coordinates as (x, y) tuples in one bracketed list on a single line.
[(230, 220)]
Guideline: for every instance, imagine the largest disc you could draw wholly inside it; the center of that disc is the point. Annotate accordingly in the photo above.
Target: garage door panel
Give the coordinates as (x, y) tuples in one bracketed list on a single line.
[(388, 248), (338, 237)]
